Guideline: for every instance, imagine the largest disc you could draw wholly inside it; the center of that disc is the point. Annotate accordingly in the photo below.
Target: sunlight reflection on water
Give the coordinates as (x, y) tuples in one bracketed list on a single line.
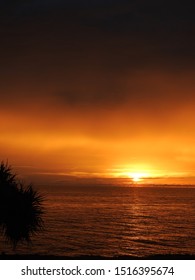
[(109, 221)]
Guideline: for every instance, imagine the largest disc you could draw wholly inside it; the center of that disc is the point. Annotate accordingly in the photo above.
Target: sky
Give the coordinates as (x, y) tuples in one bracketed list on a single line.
[(98, 89)]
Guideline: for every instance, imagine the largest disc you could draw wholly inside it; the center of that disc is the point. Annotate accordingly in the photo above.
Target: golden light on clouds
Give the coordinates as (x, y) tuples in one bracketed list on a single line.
[(144, 138)]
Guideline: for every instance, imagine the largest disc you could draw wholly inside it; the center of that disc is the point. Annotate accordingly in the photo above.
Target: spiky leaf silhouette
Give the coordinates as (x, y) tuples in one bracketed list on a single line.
[(21, 208)]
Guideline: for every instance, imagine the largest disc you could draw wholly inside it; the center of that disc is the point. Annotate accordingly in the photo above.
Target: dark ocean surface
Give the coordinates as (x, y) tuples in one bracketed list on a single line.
[(114, 220)]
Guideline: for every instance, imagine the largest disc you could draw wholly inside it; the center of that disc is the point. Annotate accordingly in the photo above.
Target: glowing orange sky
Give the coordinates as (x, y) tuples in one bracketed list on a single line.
[(98, 93), (156, 138)]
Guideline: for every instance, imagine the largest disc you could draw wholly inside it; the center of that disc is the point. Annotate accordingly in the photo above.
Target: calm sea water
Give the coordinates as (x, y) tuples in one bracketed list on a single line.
[(115, 220)]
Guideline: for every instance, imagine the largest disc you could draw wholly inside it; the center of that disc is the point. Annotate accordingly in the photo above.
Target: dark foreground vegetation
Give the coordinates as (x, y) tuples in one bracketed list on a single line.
[(20, 208)]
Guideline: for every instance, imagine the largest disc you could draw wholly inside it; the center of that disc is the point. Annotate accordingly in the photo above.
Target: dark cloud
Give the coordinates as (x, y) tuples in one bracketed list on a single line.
[(85, 52)]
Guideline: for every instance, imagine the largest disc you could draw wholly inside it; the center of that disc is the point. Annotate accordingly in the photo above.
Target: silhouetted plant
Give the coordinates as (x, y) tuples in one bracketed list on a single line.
[(20, 208)]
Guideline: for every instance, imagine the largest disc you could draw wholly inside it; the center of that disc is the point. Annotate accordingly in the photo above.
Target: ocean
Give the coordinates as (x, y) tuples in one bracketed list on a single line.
[(114, 221)]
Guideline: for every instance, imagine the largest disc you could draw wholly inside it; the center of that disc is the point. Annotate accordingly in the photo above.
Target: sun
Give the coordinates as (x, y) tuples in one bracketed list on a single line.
[(137, 177), (134, 175)]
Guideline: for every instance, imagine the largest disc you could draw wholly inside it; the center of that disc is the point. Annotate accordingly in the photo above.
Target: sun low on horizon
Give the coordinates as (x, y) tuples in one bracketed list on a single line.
[(133, 176), (137, 177)]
